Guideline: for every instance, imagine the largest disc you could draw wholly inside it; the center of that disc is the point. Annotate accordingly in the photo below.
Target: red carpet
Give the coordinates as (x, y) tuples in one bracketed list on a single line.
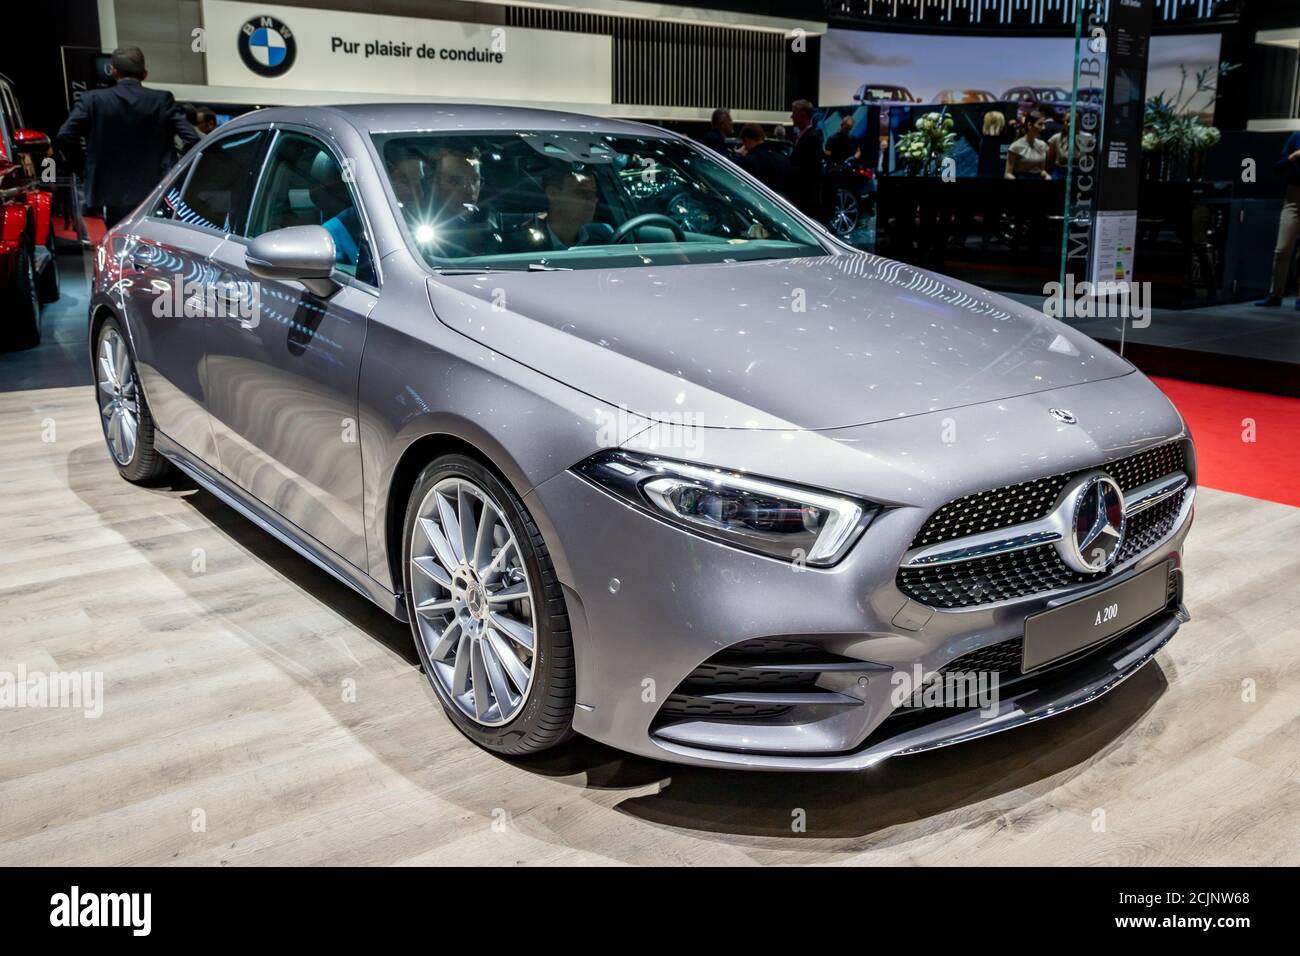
[(1268, 467), (66, 230)]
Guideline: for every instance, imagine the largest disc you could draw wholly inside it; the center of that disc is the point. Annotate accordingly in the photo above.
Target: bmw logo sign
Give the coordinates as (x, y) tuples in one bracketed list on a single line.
[(267, 46)]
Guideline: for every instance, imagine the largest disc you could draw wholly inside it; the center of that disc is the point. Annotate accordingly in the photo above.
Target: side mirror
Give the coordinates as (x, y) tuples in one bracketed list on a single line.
[(30, 140), (302, 253)]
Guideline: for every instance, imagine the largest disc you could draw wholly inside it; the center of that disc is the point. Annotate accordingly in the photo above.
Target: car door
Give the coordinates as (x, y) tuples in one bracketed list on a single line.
[(166, 272), (282, 377)]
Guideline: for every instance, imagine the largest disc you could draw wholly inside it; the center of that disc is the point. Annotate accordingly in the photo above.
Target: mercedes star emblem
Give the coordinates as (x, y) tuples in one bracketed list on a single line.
[(1096, 530)]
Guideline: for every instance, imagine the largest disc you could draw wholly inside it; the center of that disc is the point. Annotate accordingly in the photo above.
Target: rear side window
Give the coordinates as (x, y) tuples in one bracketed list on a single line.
[(169, 198), (216, 196)]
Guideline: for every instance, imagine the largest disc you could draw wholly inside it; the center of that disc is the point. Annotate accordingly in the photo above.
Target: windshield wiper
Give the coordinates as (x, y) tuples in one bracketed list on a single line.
[(480, 270), (470, 270)]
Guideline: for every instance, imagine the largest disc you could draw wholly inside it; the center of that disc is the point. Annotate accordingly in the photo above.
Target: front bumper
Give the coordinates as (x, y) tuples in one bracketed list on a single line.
[(650, 603), (1054, 692)]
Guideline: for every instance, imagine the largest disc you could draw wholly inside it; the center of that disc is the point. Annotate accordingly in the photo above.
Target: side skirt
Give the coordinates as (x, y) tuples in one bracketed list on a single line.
[(275, 525)]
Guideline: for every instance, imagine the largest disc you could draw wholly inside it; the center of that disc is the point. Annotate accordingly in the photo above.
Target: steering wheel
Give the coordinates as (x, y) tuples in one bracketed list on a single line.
[(645, 219)]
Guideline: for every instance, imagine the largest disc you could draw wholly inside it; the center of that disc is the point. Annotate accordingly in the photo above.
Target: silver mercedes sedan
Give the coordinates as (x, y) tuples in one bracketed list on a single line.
[(639, 451)]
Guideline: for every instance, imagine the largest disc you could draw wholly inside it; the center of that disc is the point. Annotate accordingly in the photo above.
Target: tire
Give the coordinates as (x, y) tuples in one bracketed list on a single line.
[(118, 393), (23, 316), (845, 212), (455, 643), (48, 284)]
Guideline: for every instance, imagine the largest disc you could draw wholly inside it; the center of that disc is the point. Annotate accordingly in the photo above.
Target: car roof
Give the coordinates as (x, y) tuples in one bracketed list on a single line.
[(447, 117)]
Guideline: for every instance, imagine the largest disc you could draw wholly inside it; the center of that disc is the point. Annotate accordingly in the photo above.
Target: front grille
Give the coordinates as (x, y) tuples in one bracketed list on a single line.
[(1005, 656), (1036, 570), (1146, 528), (985, 580), (1147, 466), (990, 510)]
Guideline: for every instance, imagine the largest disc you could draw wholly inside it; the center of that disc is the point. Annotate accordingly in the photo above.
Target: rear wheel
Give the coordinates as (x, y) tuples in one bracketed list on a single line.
[(845, 212), (123, 411), (486, 610), (47, 289)]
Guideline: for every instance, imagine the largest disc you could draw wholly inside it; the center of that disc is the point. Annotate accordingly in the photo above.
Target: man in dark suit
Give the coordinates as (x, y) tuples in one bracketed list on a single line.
[(762, 160), (129, 132), (720, 127), (806, 160)]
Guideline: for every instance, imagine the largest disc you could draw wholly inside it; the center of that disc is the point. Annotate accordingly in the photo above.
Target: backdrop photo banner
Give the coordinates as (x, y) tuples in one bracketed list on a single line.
[(279, 47)]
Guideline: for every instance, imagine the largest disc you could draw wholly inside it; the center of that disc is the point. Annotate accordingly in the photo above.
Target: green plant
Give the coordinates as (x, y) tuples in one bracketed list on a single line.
[(1170, 125), (926, 145)]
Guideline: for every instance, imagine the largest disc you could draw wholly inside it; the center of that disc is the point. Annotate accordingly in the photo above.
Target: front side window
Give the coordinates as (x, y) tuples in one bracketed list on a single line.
[(304, 186), (219, 188), (541, 199)]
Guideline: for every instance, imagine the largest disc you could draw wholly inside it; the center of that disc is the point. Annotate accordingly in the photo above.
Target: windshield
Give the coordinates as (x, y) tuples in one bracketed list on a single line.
[(563, 200)]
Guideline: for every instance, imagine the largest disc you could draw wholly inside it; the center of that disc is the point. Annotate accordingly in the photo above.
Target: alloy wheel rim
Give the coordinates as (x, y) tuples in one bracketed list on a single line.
[(846, 212), (472, 602), (119, 397)]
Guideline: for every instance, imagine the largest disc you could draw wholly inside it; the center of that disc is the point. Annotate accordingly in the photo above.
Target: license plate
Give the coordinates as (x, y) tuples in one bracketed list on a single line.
[(1074, 627)]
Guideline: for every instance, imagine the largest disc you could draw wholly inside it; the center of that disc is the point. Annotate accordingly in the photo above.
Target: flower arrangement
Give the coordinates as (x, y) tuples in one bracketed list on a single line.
[(924, 147)]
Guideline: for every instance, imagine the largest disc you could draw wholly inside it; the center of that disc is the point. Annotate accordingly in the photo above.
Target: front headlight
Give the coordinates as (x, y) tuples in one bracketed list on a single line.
[(782, 521)]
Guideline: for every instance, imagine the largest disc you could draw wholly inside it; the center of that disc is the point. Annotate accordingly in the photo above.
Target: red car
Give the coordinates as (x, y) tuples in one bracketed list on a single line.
[(28, 272)]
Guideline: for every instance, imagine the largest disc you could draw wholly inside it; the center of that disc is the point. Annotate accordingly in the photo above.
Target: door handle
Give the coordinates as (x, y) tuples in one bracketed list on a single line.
[(234, 300), (229, 291)]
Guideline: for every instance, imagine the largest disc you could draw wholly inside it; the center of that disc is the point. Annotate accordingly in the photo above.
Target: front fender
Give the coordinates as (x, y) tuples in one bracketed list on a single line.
[(421, 394)]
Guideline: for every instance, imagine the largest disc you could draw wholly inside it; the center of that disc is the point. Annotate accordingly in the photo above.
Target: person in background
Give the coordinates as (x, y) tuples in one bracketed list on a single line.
[(192, 117), (993, 145), (1058, 146), (1027, 156), (778, 133), (1288, 226), (205, 121), (840, 146), (765, 162), (720, 127), (805, 160), (129, 133)]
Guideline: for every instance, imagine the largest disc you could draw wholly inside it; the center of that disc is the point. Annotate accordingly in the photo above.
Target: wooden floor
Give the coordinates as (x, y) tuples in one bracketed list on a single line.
[(258, 712)]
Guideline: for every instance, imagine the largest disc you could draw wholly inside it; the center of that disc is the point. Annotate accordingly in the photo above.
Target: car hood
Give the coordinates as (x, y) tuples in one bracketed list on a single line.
[(812, 343)]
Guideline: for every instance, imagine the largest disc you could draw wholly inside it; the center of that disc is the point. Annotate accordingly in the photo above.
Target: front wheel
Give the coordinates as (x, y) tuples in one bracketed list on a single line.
[(123, 411), (486, 610), (22, 317)]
